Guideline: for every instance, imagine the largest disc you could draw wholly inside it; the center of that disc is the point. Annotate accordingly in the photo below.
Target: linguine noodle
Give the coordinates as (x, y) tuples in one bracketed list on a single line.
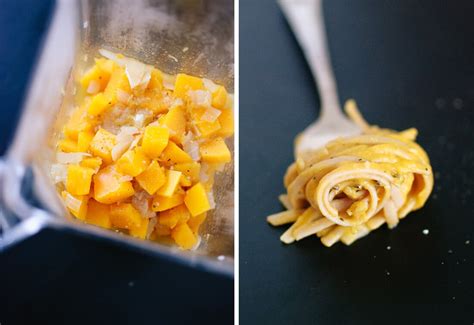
[(353, 185)]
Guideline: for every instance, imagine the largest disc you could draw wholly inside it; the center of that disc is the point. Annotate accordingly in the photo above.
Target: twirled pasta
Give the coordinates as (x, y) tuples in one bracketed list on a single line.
[(354, 185)]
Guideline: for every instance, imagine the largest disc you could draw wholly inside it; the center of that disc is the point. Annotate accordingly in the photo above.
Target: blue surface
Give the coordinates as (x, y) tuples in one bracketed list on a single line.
[(23, 24)]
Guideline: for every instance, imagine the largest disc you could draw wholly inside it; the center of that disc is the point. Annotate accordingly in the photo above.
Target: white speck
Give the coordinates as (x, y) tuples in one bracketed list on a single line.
[(185, 49), (440, 102), (467, 242), (454, 298), (450, 251), (375, 256), (457, 262), (389, 248), (85, 24), (221, 257), (442, 263), (387, 272), (131, 284), (173, 58), (426, 231)]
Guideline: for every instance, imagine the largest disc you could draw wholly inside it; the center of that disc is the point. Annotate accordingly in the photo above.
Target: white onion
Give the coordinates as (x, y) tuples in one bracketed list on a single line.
[(72, 203), (203, 173), (70, 157), (211, 114), (125, 178), (141, 202), (94, 87), (168, 81), (210, 85), (112, 56), (137, 72), (151, 227), (124, 140), (191, 147), (210, 197), (59, 173), (201, 98)]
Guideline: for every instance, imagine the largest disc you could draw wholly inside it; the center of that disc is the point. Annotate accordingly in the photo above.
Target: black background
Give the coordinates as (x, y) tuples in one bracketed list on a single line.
[(407, 63)]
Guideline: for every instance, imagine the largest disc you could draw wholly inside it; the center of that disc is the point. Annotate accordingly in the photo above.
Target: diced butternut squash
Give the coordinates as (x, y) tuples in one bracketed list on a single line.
[(185, 181), (191, 170), (156, 80), (207, 129), (152, 178), (155, 139), (161, 230), (175, 121), (174, 155), (195, 222), (84, 138), (118, 81), (98, 104), (93, 163), (171, 183), (162, 203), (78, 180), (109, 187), (215, 151), (196, 200), (174, 216), (185, 83), (102, 145), (125, 216), (68, 145), (140, 231), (219, 97), (99, 73), (183, 236), (226, 120), (76, 204), (133, 162), (98, 214)]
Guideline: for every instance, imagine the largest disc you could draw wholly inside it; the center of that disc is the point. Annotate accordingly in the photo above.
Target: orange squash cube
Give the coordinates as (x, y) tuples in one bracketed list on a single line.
[(84, 138), (215, 151), (98, 214), (133, 162), (118, 80), (219, 97), (162, 203), (79, 121), (196, 200), (195, 222), (154, 141), (78, 180), (68, 145), (125, 216), (98, 104), (102, 145), (207, 129), (172, 180), (92, 163), (174, 155), (226, 120), (109, 188), (191, 170), (185, 83), (152, 178), (140, 231), (175, 121), (183, 236), (174, 216)]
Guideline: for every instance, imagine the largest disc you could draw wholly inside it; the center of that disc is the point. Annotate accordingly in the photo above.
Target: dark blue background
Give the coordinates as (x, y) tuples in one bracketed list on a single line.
[(58, 277), (407, 63)]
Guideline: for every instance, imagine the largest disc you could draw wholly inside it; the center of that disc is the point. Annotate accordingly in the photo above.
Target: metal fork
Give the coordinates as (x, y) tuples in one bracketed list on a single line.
[(305, 18)]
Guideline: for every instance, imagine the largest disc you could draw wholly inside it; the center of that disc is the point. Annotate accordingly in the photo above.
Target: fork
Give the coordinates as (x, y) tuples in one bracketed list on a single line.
[(305, 18)]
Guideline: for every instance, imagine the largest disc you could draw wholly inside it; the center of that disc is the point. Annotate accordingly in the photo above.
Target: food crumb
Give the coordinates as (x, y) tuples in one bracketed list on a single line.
[(467, 242), (442, 263), (426, 231), (221, 257), (185, 49), (389, 248), (387, 272), (173, 58), (454, 298), (450, 251)]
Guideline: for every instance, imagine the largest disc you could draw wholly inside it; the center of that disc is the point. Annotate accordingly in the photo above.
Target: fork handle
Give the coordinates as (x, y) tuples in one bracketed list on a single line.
[(305, 18)]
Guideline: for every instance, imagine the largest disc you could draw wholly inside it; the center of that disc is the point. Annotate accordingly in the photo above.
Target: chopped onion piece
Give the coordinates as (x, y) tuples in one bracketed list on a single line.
[(72, 203), (168, 81), (59, 173), (141, 202), (151, 227), (198, 242), (94, 87), (210, 197), (191, 147), (210, 85), (125, 178), (124, 140), (201, 98), (203, 173), (211, 114), (112, 56), (137, 72), (70, 157)]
